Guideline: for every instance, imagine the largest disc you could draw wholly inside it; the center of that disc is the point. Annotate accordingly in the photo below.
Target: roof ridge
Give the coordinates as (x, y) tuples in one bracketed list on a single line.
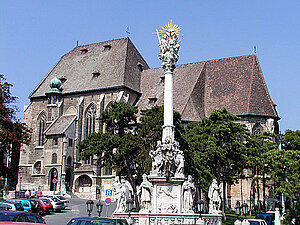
[(194, 89), (266, 88), (251, 82)]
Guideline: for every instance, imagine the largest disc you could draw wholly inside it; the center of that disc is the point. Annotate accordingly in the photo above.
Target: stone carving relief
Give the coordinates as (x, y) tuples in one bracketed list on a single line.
[(167, 198), (189, 191), (144, 193)]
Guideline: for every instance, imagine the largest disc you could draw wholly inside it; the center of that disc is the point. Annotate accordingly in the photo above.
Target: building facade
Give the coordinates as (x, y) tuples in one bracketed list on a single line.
[(65, 107)]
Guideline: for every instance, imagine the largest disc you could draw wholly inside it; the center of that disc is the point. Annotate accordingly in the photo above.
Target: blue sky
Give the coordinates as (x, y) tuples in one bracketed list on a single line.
[(34, 35)]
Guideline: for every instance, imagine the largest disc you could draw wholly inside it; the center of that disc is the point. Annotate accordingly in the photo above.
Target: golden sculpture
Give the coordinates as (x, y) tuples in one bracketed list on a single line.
[(169, 30)]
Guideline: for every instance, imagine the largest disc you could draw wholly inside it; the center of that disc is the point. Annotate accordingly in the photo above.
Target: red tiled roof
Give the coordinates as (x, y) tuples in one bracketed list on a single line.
[(234, 83)]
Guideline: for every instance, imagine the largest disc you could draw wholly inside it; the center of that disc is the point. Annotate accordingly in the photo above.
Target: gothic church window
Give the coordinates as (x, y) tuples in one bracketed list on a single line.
[(54, 158), (90, 120), (37, 167), (41, 127)]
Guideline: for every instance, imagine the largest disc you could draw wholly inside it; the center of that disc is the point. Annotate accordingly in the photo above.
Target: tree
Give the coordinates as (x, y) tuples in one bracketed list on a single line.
[(12, 133), (216, 149), (284, 166), (119, 146), (258, 145)]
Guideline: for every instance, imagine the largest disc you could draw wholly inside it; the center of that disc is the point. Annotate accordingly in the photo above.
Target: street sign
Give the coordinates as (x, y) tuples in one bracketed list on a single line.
[(54, 181), (108, 192), (107, 201)]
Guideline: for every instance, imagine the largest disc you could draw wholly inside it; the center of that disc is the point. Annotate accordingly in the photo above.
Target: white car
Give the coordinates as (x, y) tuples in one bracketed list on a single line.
[(57, 205), (62, 199), (257, 222)]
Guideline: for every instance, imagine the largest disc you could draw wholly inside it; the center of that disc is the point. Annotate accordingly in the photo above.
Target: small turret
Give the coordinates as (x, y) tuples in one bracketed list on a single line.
[(55, 85)]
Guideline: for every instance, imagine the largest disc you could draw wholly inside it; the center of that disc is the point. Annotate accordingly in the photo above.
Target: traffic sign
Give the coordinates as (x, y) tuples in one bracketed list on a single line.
[(107, 201), (108, 192), (54, 181)]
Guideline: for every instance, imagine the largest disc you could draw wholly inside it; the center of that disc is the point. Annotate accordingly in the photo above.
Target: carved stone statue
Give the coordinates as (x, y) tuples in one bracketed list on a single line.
[(169, 44), (145, 194), (122, 194), (214, 197), (189, 190)]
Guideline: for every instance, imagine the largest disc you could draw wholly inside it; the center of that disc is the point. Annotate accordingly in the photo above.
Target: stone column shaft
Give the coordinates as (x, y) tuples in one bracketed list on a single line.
[(168, 128)]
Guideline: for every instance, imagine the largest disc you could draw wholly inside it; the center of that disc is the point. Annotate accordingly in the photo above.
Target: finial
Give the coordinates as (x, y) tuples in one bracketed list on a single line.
[(127, 31), (254, 49)]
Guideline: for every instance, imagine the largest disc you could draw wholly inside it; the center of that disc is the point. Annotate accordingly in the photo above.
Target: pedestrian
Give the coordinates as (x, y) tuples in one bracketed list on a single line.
[(39, 193), (27, 194), (32, 195), (293, 222)]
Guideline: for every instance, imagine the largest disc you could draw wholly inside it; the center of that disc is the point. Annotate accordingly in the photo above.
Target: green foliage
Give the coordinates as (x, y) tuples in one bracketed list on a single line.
[(215, 148), (284, 165), (12, 132)]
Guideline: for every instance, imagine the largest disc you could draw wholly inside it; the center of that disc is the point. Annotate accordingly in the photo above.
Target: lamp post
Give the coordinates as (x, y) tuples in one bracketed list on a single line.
[(20, 186), (99, 206), (89, 206)]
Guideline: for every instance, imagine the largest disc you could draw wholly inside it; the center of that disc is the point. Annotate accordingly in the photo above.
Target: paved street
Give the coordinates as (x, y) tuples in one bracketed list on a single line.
[(77, 208)]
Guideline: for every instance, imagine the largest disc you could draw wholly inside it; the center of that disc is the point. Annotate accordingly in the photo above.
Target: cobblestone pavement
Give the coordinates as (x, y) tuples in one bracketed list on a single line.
[(77, 208)]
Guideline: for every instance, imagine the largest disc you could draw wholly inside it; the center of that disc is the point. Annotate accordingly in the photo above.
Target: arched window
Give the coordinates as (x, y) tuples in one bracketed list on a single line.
[(41, 127), (90, 120), (54, 158), (37, 168), (69, 161)]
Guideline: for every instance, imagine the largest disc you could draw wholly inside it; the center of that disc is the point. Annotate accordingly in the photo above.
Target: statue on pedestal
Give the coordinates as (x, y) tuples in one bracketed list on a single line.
[(145, 194), (214, 197), (122, 194), (189, 190)]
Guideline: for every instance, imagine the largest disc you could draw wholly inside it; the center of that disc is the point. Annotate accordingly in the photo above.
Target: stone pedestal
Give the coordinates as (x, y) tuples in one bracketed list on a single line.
[(167, 194)]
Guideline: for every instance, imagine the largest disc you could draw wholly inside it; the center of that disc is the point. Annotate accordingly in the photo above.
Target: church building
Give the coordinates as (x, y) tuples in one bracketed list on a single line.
[(65, 107)]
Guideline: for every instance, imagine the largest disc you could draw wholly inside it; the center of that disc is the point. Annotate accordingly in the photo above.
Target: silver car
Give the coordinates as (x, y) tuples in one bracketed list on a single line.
[(57, 205)]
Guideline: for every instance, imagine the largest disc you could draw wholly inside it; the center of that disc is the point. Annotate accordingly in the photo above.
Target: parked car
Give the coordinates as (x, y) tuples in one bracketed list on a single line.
[(268, 217), (96, 221), (36, 207), (13, 206), (57, 205), (46, 205), (25, 203), (17, 216), (62, 199), (257, 222)]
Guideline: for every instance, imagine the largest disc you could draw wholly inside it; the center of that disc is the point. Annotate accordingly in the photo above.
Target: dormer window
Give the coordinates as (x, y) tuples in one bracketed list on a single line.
[(83, 51), (96, 73), (162, 79), (107, 47), (152, 100), (63, 79), (140, 66)]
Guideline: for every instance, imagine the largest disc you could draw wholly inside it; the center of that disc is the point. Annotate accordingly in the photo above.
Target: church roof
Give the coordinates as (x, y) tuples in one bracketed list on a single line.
[(114, 63), (60, 125), (235, 83)]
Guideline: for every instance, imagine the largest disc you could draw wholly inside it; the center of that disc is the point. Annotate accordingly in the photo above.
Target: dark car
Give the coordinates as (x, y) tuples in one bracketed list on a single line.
[(17, 216), (96, 221), (268, 217)]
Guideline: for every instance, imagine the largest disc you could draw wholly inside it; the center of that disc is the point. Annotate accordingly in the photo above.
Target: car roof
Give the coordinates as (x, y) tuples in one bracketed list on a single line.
[(256, 220), (95, 218)]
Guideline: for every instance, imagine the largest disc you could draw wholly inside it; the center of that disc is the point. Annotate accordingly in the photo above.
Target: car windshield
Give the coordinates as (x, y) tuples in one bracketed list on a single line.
[(60, 197)]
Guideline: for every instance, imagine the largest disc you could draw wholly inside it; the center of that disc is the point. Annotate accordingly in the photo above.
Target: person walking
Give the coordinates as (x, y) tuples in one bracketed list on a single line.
[(27, 194)]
